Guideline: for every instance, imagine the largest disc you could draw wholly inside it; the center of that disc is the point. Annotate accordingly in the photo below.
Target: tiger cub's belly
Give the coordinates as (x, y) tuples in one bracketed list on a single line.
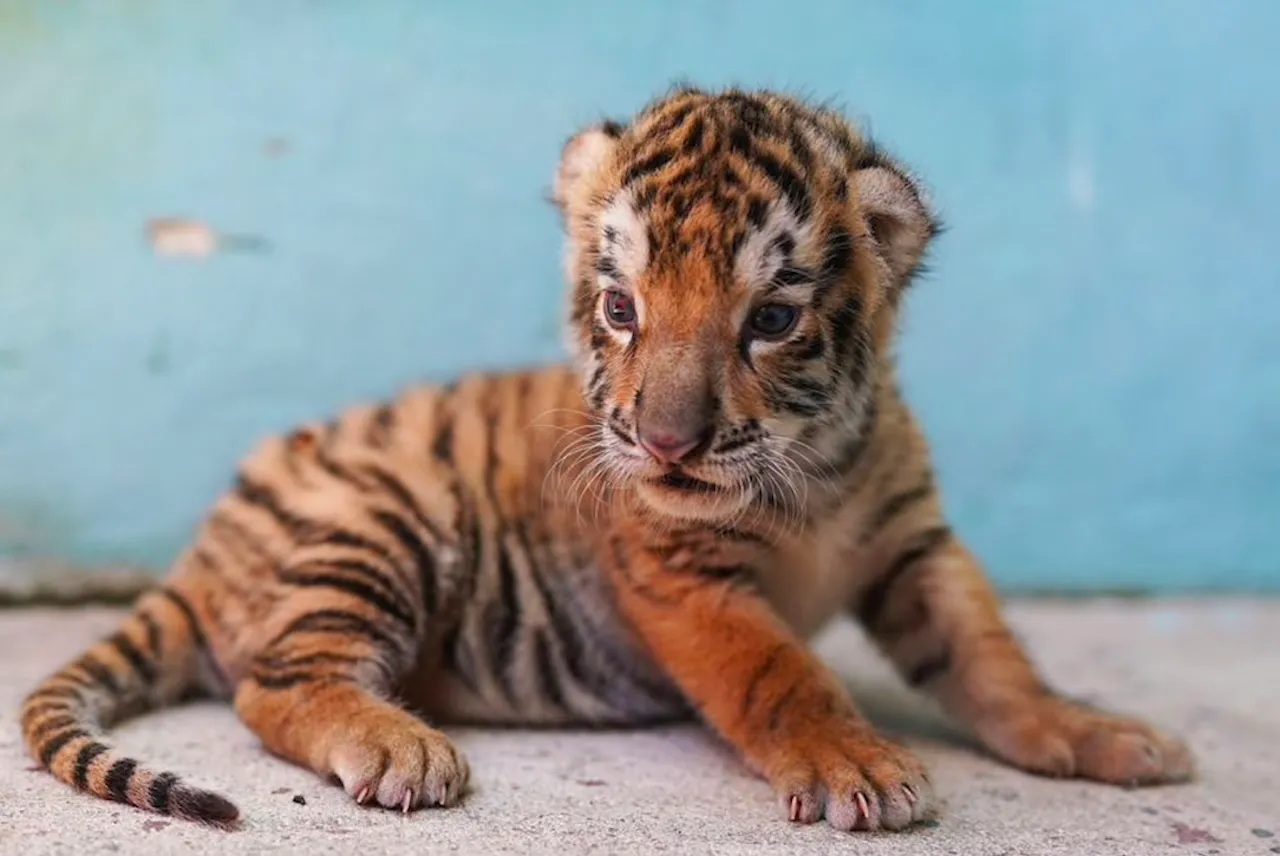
[(550, 651)]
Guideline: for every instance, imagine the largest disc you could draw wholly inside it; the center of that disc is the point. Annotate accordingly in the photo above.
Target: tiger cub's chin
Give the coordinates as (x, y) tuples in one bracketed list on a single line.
[(688, 498)]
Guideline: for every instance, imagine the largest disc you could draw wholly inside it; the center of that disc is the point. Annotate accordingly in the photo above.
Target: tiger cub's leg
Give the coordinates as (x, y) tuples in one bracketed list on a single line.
[(318, 694), (753, 681), (932, 611)]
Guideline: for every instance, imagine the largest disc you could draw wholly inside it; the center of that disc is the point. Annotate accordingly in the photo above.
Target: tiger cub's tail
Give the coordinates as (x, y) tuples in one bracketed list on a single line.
[(151, 660)]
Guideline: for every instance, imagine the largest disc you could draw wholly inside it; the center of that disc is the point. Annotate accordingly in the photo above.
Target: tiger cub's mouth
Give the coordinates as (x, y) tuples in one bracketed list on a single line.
[(677, 480)]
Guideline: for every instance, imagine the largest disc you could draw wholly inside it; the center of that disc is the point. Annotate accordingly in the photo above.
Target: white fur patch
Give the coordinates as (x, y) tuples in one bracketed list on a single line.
[(759, 260), (624, 238)]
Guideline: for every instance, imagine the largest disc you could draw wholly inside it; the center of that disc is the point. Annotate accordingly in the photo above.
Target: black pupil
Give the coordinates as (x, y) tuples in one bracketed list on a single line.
[(773, 319), (620, 309)]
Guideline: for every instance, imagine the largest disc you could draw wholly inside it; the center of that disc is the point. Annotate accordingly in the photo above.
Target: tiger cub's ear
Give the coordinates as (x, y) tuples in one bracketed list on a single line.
[(584, 154), (898, 217)]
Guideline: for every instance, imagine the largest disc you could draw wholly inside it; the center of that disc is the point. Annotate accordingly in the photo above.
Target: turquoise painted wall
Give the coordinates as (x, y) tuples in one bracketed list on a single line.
[(1097, 356)]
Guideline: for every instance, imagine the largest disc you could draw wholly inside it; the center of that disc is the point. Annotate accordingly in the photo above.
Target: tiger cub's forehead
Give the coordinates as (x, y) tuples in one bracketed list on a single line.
[(755, 246)]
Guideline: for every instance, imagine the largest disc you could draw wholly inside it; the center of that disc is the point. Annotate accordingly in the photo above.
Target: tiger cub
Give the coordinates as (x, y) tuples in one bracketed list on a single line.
[(649, 534)]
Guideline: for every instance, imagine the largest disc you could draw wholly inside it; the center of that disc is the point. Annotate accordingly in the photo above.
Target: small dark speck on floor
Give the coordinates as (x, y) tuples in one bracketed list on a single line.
[(281, 791), (592, 783), (1276, 849), (1146, 809), (299, 799), (1190, 835), (154, 825), (1264, 833)]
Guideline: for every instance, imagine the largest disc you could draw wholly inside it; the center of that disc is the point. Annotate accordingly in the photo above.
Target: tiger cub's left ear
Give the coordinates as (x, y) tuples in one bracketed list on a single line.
[(898, 217), (582, 157)]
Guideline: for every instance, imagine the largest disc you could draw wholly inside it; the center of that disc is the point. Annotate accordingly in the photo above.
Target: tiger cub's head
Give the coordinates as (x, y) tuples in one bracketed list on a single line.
[(736, 262)]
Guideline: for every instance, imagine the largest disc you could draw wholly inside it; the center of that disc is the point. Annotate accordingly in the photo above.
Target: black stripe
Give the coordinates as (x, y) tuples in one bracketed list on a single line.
[(339, 622), (368, 573), (84, 761), (929, 669), (52, 724), (737, 574), (259, 495), (844, 322), (289, 680), (693, 136), (119, 777), (787, 180), (405, 497), (502, 620), (158, 793), (873, 602), (546, 672), (566, 633), (54, 745), (354, 587), (144, 669), (895, 506), (423, 562), (800, 396), (757, 677), (345, 538), (458, 659), (607, 267), (442, 442), (32, 712), (741, 438), (64, 693), (593, 664), (153, 634), (101, 675), (197, 635), (850, 452), (780, 706), (319, 658), (650, 164), (228, 533), (380, 425), (810, 348), (671, 121), (837, 255)]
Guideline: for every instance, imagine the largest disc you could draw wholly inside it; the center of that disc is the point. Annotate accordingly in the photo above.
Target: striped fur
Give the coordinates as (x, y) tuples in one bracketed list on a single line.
[(511, 549)]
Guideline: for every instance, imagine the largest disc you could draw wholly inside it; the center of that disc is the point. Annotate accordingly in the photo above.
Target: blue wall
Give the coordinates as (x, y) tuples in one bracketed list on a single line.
[(1097, 356)]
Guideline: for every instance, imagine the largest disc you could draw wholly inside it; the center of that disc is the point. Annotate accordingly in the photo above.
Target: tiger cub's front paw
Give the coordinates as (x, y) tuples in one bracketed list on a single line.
[(1055, 737), (388, 757), (854, 778)]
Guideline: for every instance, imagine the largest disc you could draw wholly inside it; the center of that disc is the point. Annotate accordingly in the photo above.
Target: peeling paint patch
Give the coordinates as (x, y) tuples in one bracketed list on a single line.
[(175, 237)]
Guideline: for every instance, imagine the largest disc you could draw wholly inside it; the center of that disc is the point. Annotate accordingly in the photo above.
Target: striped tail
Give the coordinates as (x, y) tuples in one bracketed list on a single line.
[(152, 660)]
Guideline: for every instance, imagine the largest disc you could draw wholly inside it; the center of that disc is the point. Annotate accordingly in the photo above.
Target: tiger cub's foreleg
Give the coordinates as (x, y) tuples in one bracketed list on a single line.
[(318, 696), (753, 681), (319, 692), (931, 609)]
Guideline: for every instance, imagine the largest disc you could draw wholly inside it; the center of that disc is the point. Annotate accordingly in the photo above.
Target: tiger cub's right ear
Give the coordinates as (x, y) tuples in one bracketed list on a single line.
[(584, 154)]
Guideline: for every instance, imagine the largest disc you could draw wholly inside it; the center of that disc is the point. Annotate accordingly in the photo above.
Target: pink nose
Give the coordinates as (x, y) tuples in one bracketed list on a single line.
[(668, 448)]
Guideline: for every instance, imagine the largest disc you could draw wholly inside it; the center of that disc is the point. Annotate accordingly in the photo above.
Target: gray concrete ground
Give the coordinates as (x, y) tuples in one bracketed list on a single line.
[(1208, 670)]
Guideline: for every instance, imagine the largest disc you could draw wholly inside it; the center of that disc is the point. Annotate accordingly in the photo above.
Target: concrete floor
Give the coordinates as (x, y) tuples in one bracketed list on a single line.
[(1208, 670)]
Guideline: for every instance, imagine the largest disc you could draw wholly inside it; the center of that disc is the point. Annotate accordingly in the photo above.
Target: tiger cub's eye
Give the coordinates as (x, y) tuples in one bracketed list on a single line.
[(773, 320), (619, 310)]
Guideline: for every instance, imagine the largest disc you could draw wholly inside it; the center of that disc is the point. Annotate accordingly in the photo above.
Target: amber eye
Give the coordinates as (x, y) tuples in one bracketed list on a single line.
[(773, 320), (619, 310)]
